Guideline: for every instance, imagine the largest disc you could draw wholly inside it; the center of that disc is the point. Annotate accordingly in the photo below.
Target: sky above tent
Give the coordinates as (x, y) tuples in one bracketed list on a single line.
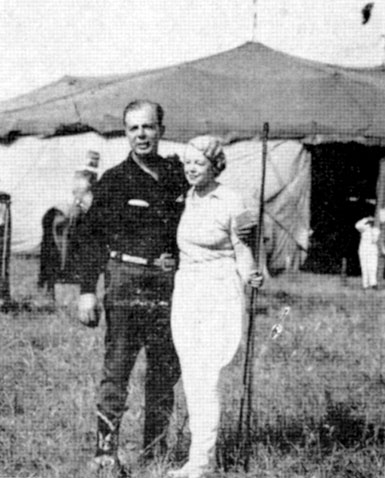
[(44, 40)]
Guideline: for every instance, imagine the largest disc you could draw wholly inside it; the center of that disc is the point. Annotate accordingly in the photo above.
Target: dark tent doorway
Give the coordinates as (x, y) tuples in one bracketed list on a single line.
[(343, 190)]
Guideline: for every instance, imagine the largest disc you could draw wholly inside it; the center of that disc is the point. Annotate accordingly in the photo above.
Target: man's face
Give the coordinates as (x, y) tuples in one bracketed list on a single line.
[(143, 131)]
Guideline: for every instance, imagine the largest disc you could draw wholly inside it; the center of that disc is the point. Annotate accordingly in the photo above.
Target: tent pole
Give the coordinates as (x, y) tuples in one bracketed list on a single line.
[(5, 253), (255, 19), (380, 220)]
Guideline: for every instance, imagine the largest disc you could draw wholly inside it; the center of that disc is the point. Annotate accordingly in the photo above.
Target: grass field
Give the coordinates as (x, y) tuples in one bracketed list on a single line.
[(319, 401)]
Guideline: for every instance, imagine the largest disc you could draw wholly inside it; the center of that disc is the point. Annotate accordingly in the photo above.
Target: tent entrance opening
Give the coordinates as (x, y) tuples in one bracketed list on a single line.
[(343, 190)]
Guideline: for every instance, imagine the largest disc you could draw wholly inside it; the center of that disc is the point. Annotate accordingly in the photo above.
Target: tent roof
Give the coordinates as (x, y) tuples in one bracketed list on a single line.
[(231, 94)]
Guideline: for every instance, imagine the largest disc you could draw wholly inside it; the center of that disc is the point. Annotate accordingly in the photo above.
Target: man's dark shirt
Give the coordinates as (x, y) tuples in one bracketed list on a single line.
[(131, 213)]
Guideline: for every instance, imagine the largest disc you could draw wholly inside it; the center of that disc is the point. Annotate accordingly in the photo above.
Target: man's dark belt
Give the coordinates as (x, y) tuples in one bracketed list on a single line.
[(128, 258)]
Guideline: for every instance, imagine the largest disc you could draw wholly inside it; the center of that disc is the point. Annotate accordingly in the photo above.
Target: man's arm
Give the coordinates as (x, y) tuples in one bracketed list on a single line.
[(246, 227), (177, 185), (92, 246), (176, 178)]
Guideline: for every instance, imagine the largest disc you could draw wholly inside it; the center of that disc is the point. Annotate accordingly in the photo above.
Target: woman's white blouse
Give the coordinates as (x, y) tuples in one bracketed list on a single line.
[(206, 230)]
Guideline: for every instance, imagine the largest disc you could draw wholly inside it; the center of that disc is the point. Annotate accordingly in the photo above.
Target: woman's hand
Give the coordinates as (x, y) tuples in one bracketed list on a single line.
[(255, 279), (166, 262)]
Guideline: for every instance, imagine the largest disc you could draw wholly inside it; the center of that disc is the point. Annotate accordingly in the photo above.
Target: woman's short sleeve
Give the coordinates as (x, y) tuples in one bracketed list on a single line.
[(237, 210)]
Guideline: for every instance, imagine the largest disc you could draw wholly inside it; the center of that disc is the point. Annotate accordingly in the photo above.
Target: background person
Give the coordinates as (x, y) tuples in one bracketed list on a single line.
[(59, 247), (368, 251), (207, 306), (129, 231), (84, 181)]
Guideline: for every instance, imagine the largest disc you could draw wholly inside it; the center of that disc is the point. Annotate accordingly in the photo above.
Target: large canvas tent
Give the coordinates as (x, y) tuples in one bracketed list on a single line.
[(230, 94), (45, 134)]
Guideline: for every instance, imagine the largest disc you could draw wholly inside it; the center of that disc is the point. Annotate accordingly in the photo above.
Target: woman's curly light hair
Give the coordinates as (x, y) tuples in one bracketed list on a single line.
[(211, 148)]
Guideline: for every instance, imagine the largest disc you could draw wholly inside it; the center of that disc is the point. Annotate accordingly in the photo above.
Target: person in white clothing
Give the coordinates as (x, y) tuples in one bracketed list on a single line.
[(368, 251), (208, 298)]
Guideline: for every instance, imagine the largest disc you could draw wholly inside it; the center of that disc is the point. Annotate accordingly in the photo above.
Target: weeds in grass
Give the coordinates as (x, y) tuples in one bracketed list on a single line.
[(318, 404)]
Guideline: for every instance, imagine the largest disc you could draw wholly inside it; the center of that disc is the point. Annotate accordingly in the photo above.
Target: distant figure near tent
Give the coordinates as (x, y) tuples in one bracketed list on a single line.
[(58, 248), (5, 247), (368, 251)]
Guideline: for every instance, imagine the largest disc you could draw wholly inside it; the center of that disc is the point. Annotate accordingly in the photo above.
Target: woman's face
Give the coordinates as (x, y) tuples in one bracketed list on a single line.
[(198, 169)]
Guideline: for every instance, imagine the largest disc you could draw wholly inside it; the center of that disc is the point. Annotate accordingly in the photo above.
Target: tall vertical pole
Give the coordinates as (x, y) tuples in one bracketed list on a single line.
[(246, 406), (5, 242), (255, 18), (380, 219)]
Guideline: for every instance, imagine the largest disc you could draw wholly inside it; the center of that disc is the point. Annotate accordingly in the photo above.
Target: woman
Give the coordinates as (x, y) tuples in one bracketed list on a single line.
[(207, 305)]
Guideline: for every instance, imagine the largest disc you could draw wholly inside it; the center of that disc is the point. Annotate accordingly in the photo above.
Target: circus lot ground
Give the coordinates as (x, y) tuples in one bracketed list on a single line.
[(319, 401)]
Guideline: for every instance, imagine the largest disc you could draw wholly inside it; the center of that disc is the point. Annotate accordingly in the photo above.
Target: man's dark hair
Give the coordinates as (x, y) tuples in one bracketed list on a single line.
[(138, 104)]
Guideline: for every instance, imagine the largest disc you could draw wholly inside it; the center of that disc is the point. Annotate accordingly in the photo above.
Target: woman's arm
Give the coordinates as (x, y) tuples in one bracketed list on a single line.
[(245, 261), (246, 265)]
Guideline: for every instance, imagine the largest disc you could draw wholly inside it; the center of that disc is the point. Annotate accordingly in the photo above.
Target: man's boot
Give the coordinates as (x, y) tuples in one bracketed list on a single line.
[(107, 441)]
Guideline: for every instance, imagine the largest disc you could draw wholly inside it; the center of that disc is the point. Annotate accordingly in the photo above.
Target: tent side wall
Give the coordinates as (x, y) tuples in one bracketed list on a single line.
[(38, 174), (289, 215)]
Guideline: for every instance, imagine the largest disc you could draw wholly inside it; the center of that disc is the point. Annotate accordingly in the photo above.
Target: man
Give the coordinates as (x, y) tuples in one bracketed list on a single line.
[(368, 251), (130, 232)]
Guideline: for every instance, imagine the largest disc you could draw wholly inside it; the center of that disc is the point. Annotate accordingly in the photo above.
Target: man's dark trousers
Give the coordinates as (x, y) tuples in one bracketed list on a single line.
[(137, 305)]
